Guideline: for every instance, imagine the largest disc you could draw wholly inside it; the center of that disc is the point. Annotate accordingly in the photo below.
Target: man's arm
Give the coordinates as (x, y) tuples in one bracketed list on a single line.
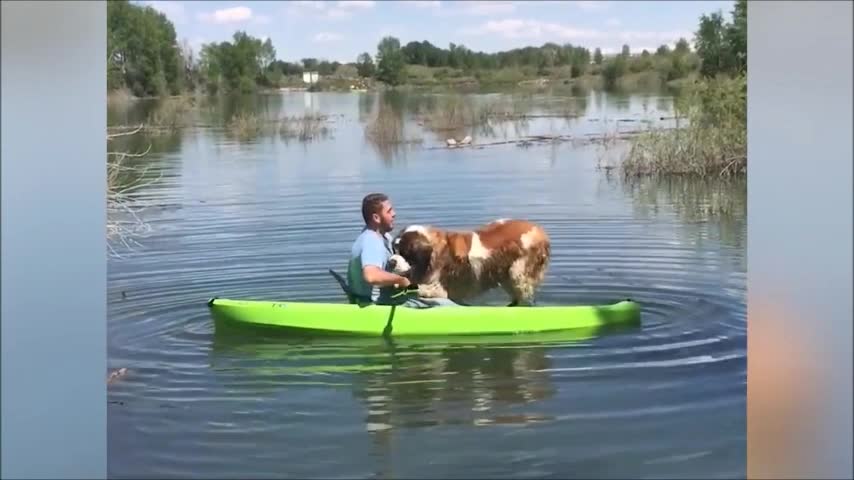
[(373, 262), (380, 278)]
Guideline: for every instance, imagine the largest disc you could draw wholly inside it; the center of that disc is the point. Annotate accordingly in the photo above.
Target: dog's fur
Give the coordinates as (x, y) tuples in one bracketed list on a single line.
[(511, 254)]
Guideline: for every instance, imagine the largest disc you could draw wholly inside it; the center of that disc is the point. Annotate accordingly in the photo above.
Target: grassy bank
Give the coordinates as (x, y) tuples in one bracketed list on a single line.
[(712, 140), (445, 79)]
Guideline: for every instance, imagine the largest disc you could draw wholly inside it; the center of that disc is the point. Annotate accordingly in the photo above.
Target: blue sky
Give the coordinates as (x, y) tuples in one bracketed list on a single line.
[(340, 30)]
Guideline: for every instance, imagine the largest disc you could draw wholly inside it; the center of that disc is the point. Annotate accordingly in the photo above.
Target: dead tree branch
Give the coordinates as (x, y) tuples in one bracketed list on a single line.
[(124, 224)]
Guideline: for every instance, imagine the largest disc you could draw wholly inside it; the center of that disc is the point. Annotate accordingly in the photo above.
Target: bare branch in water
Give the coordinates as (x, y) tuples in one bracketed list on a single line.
[(123, 155), (123, 221), (530, 140), (732, 161), (122, 134)]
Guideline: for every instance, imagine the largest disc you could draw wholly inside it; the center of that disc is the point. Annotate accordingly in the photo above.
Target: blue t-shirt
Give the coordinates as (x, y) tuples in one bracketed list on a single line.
[(370, 248)]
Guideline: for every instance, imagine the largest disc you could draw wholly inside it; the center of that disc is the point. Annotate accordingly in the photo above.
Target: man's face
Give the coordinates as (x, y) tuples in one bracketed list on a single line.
[(385, 217)]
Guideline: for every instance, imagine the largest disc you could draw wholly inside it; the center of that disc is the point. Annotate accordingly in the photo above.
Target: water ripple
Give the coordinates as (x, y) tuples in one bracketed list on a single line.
[(660, 400)]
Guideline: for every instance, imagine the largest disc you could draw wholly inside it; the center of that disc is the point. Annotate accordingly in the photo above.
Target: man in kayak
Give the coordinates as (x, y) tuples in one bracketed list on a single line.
[(367, 273)]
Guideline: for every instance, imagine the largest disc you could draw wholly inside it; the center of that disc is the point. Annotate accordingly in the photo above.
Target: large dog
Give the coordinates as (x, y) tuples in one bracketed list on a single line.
[(511, 254)]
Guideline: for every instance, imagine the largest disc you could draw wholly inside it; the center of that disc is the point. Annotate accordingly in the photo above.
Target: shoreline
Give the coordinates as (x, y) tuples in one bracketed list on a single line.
[(630, 83)]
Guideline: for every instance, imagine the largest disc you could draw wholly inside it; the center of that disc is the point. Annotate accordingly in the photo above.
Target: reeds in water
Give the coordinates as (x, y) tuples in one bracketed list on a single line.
[(171, 113), (305, 128), (713, 143), (387, 127)]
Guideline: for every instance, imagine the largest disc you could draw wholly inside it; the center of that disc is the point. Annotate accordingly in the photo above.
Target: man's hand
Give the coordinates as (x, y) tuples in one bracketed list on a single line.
[(380, 278)]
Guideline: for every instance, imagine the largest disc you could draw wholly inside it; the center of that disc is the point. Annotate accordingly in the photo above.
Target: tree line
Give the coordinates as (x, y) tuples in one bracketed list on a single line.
[(145, 57)]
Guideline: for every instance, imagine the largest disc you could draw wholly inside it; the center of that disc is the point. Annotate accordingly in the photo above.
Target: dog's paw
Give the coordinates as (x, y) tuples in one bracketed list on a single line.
[(431, 291)]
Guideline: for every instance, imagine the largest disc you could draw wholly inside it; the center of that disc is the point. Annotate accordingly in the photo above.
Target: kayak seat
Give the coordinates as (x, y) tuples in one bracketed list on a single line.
[(352, 298)]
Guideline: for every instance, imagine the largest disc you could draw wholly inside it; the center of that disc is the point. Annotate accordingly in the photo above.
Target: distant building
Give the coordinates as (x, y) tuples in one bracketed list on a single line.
[(310, 77)]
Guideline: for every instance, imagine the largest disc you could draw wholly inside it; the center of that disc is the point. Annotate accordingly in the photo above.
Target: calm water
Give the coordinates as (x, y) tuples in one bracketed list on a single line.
[(265, 217)]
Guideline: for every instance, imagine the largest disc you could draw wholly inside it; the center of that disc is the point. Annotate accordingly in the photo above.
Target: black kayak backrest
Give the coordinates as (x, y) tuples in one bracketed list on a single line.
[(343, 283)]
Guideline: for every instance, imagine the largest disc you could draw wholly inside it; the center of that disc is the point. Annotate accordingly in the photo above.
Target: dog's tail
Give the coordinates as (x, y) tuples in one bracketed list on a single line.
[(539, 259), (544, 258)]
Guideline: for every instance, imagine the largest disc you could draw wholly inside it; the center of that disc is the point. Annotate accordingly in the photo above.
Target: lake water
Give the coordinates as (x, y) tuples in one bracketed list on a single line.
[(264, 217)]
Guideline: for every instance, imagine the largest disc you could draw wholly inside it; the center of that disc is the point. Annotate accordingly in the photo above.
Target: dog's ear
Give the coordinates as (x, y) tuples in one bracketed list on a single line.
[(422, 256)]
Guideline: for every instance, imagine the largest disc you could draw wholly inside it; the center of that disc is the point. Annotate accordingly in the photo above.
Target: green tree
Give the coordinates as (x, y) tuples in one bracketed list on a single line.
[(267, 54), (142, 50), (390, 61), (236, 66), (710, 44), (736, 37), (597, 56), (326, 67), (613, 69), (365, 65)]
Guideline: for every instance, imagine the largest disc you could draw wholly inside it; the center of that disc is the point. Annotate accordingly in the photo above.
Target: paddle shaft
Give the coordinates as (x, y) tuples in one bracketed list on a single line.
[(387, 329)]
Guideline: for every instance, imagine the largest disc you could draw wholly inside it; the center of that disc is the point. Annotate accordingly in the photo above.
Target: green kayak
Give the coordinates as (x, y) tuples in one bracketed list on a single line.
[(375, 320)]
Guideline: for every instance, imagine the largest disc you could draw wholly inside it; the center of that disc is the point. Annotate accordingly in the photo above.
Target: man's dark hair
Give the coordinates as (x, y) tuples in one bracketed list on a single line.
[(371, 204)]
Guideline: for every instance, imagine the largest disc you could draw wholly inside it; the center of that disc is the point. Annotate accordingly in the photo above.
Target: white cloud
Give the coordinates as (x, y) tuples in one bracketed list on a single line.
[(356, 4), (613, 22), (339, 13), (515, 29), (174, 11), (324, 37), (486, 7), (227, 15), (476, 8), (532, 29), (591, 6), (326, 10), (424, 3), (316, 5)]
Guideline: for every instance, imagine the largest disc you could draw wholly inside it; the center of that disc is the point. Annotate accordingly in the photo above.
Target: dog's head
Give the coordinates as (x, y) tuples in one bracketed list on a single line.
[(413, 251)]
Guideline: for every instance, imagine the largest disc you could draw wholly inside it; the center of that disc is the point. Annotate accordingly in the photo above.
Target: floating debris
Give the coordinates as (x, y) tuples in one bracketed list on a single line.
[(453, 143), (117, 375)]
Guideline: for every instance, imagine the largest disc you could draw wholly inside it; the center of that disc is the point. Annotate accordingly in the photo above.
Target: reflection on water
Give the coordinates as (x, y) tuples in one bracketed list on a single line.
[(408, 383), (404, 386), (266, 216), (721, 202)]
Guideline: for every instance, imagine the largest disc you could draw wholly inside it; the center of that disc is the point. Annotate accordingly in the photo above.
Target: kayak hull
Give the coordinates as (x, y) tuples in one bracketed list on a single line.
[(376, 320)]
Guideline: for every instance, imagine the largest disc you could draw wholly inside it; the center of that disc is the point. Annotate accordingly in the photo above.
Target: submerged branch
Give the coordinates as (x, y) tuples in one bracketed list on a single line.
[(123, 155), (530, 140), (122, 134), (123, 221)]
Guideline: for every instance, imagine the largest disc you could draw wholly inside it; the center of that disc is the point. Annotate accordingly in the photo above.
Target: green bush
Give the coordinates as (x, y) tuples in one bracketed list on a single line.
[(713, 143)]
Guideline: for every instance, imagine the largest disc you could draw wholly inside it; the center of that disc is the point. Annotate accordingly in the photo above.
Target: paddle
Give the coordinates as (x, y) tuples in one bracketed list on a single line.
[(411, 289), (353, 298)]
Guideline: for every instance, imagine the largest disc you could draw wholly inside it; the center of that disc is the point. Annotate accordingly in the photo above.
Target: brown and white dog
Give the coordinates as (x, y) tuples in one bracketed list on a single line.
[(511, 254)]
